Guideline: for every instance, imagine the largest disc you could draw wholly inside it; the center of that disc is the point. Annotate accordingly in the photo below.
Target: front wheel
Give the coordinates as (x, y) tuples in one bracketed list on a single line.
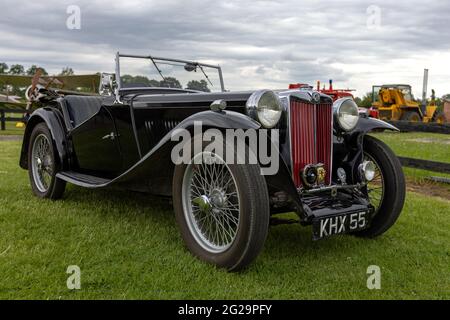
[(222, 210), (387, 190)]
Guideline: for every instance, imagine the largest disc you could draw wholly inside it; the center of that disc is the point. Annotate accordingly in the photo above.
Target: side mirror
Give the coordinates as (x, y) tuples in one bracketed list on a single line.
[(107, 84), (189, 67)]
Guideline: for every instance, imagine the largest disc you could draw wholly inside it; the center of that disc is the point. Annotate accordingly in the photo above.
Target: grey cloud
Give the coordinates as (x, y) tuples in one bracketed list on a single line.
[(285, 41)]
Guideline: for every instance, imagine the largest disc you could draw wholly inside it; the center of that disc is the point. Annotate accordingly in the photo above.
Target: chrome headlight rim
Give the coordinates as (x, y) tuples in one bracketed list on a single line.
[(256, 111), (338, 115)]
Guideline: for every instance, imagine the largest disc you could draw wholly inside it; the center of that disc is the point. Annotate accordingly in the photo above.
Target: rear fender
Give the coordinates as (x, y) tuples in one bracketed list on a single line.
[(53, 119)]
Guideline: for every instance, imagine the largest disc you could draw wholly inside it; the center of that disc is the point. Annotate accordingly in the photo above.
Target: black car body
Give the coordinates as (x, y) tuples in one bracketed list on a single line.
[(123, 139)]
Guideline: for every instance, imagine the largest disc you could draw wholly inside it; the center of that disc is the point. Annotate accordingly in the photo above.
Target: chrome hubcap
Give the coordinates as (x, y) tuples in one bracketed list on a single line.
[(211, 202), (41, 163), (219, 198)]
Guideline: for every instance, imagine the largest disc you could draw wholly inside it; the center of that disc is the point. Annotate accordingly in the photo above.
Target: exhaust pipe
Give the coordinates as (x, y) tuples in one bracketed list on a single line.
[(424, 90)]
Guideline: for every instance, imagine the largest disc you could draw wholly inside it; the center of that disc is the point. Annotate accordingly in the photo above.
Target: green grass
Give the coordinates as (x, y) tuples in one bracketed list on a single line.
[(127, 246), (11, 129), (428, 146)]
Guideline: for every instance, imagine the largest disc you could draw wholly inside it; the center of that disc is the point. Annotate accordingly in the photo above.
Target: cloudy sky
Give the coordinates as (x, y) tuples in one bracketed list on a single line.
[(259, 44)]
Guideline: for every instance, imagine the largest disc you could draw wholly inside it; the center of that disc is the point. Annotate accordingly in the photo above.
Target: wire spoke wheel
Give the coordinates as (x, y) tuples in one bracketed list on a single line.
[(211, 202), (42, 163), (376, 187)]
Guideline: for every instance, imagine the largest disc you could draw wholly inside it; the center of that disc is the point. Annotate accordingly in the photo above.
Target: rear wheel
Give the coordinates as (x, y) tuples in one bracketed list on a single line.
[(438, 117), (387, 190), (222, 210), (411, 116), (42, 164)]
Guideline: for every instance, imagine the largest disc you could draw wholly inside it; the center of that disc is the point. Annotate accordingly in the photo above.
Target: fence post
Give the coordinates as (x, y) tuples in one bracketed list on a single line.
[(2, 119)]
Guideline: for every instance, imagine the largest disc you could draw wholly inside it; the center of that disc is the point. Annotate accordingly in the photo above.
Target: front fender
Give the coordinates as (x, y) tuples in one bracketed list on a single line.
[(157, 161), (370, 124), (220, 119), (353, 142), (53, 120)]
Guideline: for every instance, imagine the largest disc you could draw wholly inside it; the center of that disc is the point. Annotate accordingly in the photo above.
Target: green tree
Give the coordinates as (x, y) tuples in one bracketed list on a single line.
[(3, 67), (66, 71), (16, 69), (126, 78), (141, 80), (31, 71), (201, 85), (153, 83), (366, 100), (170, 82)]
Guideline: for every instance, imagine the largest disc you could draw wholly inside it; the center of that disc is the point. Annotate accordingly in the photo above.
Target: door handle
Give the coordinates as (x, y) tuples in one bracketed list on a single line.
[(111, 136)]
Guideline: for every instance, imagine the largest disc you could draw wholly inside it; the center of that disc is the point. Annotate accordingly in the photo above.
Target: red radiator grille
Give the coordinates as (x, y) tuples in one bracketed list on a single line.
[(311, 136)]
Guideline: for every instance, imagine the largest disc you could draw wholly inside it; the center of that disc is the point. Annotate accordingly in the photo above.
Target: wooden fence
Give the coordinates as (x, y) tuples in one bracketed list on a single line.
[(4, 118), (406, 126)]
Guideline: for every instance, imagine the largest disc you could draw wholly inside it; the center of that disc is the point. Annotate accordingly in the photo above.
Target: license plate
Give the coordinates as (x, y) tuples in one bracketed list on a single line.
[(329, 226)]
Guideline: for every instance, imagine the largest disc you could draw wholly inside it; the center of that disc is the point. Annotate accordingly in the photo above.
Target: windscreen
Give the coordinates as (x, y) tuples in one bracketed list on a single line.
[(375, 93), (406, 91), (142, 72)]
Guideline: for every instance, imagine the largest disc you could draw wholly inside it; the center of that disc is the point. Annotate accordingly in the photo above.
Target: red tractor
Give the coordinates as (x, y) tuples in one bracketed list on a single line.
[(336, 94)]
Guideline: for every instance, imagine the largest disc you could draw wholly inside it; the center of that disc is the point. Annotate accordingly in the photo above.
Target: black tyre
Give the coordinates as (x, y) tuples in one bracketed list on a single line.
[(43, 164), (411, 116), (222, 210), (438, 117), (386, 190)]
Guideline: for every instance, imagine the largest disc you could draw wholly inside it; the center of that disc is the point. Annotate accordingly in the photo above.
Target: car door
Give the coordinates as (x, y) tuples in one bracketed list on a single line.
[(96, 145)]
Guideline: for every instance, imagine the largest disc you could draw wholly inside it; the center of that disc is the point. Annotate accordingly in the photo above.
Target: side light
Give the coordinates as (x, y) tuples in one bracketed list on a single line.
[(367, 170)]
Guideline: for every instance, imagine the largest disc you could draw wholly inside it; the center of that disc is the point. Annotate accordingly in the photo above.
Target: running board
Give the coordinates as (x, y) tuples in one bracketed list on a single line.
[(82, 180)]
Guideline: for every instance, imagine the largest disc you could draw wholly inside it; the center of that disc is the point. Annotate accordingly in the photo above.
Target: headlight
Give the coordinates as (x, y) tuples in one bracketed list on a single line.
[(264, 106), (346, 113)]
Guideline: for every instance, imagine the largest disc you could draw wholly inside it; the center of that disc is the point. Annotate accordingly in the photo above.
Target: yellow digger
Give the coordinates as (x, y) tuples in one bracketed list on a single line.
[(396, 102)]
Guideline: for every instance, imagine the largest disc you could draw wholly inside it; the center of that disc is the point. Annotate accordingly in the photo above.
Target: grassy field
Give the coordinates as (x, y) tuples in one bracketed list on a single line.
[(428, 146), (11, 129), (420, 145), (127, 246)]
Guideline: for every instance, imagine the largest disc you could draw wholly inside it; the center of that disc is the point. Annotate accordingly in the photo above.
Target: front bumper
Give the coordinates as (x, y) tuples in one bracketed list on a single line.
[(334, 200)]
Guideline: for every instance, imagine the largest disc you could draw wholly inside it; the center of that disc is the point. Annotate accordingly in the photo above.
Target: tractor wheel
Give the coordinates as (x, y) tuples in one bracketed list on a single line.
[(438, 117), (411, 116)]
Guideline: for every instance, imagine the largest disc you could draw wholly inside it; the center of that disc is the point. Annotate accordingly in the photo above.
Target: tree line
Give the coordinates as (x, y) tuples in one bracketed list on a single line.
[(170, 82), (18, 69)]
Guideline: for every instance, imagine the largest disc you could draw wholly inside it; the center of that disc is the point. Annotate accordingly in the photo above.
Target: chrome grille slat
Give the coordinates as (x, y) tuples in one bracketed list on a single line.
[(311, 136)]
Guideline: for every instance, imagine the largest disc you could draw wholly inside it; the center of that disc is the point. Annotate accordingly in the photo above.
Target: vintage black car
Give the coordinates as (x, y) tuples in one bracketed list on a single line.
[(329, 171)]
